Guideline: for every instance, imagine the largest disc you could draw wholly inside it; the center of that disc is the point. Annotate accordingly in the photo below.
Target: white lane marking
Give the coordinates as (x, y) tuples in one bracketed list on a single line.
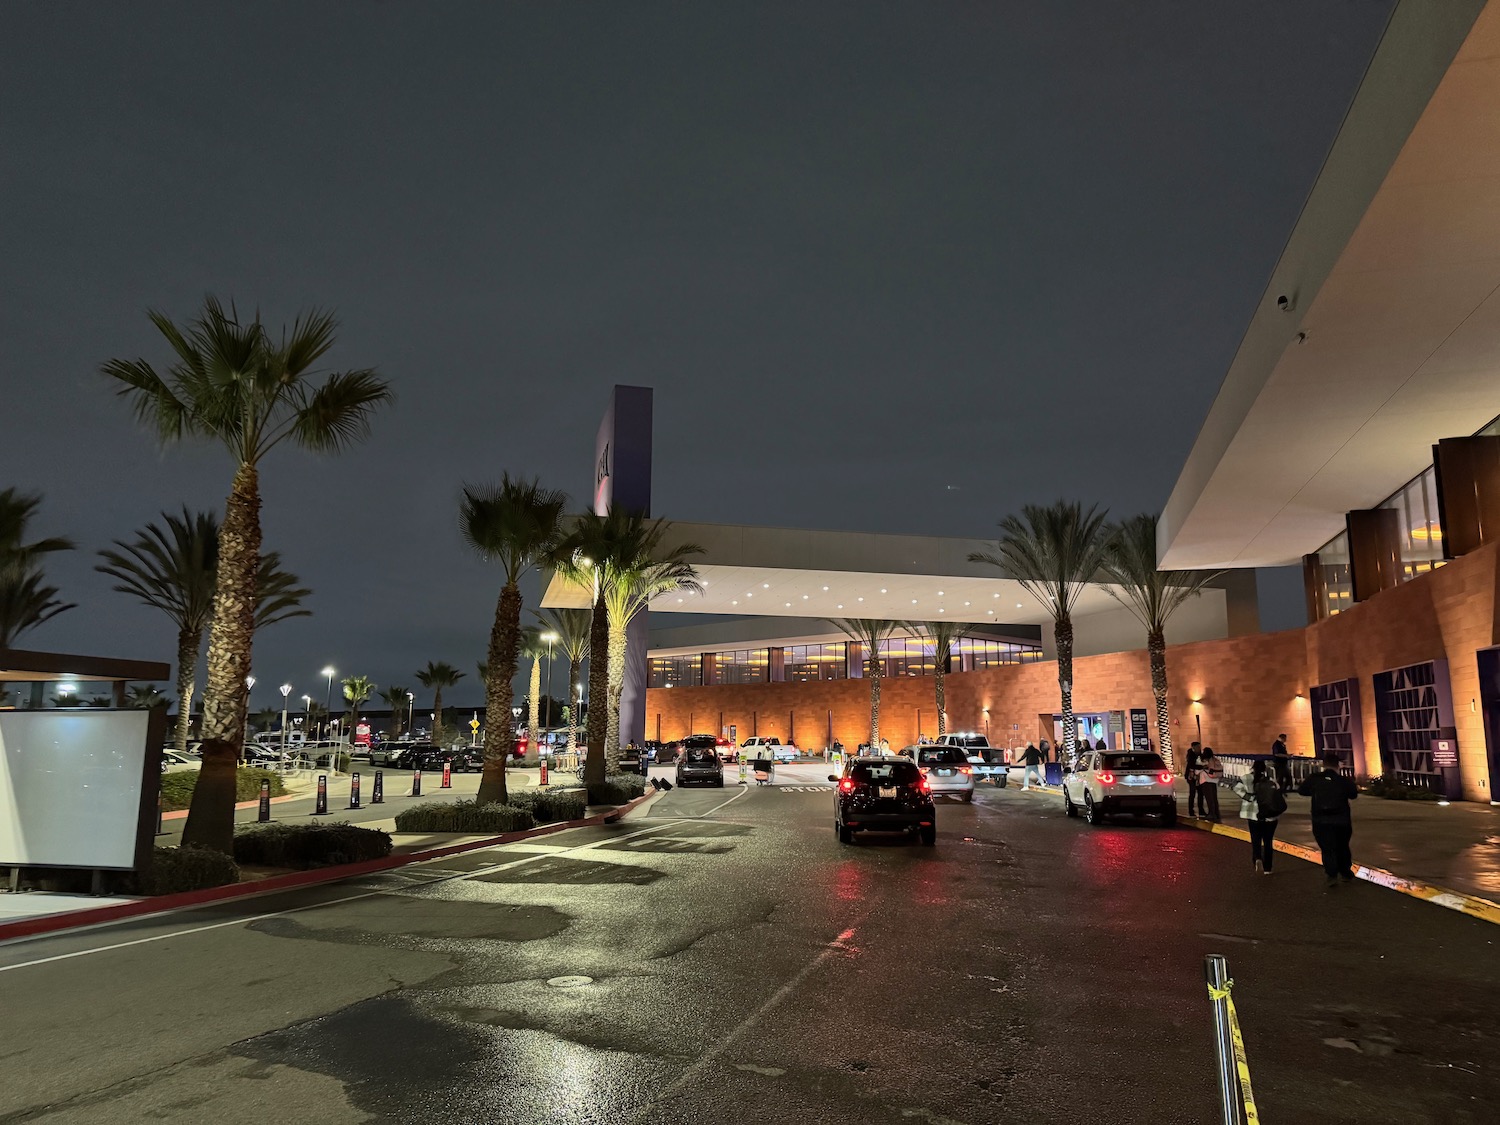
[(838, 945), (700, 816), (316, 905)]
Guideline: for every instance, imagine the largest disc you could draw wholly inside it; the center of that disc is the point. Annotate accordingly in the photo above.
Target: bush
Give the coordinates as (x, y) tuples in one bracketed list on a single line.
[(187, 868), (549, 805), (177, 787), (1393, 790), (464, 816), (617, 789), (309, 845)]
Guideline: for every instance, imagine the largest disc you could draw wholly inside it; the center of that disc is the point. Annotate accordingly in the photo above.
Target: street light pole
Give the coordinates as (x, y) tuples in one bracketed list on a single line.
[(328, 699), (245, 731), (286, 690), (551, 639)]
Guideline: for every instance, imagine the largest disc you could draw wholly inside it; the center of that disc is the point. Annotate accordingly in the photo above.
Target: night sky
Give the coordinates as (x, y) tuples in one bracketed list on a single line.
[(864, 252)]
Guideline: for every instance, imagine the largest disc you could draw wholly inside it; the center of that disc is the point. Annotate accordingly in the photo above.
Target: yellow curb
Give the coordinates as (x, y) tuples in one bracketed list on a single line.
[(1472, 905)]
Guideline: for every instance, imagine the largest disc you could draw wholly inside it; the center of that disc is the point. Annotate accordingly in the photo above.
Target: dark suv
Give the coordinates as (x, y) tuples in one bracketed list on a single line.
[(698, 761), (883, 795)]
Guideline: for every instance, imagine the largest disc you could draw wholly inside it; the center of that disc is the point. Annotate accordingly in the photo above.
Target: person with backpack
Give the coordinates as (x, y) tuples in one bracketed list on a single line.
[(1261, 806), (1330, 792)]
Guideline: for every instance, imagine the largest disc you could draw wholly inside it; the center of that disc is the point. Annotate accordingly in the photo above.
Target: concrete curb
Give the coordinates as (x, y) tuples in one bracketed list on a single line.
[(163, 904), (1472, 905)]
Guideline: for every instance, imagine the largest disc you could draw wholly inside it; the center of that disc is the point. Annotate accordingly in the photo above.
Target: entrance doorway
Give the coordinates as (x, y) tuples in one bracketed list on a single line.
[(1489, 702), (1094, 727)]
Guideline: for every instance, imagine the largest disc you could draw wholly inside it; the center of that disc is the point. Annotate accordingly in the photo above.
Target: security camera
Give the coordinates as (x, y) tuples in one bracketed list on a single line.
[(1284, 303)]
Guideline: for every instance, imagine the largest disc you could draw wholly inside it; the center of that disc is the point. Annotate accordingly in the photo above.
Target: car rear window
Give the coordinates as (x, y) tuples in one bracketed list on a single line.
[(700, 742), (942, 756), (884, 773), (1134, 762), (701, 754)]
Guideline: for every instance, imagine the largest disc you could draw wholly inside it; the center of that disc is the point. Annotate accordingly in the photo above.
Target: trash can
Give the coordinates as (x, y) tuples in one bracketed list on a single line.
[(1052, 772)]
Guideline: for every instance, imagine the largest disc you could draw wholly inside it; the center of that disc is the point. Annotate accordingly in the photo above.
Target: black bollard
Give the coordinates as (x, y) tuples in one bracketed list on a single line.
[(264, 815), (322, 806), (354, 791), (377, 797), (416, 783)]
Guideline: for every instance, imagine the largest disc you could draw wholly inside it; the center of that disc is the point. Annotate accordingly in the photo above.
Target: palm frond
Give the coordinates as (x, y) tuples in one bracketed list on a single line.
[(439, 675), (1151, 595), (278, 597), (1053, 552), (26, 603), (572, 629), (337, 414), (516, 523)]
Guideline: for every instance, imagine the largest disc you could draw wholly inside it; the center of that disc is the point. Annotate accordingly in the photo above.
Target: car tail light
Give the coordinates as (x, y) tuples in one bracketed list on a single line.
[(965, 769), (1105, 777), (846, 785), (1165, 778), (924, 786)]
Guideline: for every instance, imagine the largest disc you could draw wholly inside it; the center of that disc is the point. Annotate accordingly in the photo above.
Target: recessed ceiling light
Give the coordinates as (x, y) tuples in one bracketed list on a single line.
[(804, 597), (749, 595), (991, 612), (789, 605), (940, 593), (942, 610), (825, 589), (914, 601), (882, 589), (840, 605), (861, 599), (765, 585), (735, 602), (1018, 605), (679, 601), (966, 603), (995, 595)]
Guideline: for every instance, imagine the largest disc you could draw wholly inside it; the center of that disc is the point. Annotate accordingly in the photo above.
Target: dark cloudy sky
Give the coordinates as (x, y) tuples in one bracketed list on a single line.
[(862, 251)]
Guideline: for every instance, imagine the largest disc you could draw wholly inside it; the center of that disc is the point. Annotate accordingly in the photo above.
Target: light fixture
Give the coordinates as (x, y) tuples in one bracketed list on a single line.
[(789, 605), (991, 612), (804, 596), (736, 601), (1018, 605), (914, 601), (966, 603), (825, 589), (940, 593), (861, 599), (765, 585), (839, 606)]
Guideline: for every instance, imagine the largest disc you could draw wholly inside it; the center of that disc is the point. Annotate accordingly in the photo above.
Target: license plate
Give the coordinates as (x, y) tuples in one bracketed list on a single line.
[(945, 773), (887, 790), (1137, 780)]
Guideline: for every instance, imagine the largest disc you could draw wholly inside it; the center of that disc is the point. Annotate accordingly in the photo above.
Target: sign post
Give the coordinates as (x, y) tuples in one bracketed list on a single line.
[(447, 776), (543, 779), (354, 791), (322, 806), (377, 797), (1140, 731), (416, 783), (264, 815)]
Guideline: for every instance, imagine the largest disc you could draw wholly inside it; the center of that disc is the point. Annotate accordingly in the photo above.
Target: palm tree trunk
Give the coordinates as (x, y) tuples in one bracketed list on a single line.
[(942, 699), (875, 671), (1156, 647), (572, 705), (188, 644), (210, 819), (499, 726), (616, 690), (1062, 630), (437, 714), (534, 718), (598, 692)]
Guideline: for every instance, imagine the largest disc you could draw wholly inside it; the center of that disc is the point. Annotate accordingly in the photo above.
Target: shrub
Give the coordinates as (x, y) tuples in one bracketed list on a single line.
[(549, 805), (187, 868), (1393, 790), (177, 787), (309, 845), (617, 789), (464, 816)]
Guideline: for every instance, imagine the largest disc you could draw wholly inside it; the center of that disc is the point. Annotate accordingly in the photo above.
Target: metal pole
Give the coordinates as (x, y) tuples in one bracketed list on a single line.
[(1216, 972), (547, 722)]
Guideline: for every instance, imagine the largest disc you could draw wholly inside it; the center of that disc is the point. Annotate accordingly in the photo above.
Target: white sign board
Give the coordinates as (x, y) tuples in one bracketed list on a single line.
[(70, 787)]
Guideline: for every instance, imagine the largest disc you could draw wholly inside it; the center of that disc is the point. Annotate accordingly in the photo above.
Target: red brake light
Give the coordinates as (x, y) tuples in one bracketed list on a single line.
[(965, 769), (1165, 778), (923, 786), (1105, 777), (846, 785)]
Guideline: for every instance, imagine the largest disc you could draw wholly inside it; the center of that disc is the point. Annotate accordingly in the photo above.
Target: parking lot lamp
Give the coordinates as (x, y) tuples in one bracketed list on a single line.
[(286, 690), (328, 699)]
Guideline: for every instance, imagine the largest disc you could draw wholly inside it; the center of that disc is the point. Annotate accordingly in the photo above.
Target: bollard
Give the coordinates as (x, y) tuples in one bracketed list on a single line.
[(1235, 1093), (447, 782), (416, 783), (742, 771), (354, 791), (160, 827), (378, 796), (542, 780), (322, 806), (264, 816)]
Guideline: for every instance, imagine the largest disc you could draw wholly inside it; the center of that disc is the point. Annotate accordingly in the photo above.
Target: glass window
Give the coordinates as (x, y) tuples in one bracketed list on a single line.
[(676, 671), (1335, 582), (815, 662), (742, 666)]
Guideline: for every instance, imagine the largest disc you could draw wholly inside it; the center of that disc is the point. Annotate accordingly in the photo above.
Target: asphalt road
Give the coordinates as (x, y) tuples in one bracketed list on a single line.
[(723, 958)]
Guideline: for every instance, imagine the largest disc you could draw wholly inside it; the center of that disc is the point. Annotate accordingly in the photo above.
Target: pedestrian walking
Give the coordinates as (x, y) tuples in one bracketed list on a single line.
[(885, 747), (1261, 806), (1330, 792), (1209, 772), (1279, 762), (1032, 759), (1190, 775)]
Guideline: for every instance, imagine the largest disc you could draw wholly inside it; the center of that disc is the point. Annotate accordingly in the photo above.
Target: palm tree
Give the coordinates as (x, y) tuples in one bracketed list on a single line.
[(943, 635), (143, 697), (1153, 596), (516, 524), (1054, 553), (870, 633), (624, 558), (231, 381), (572, 629), (396, 697), (533, 646), (357, 689), (173, 569), (435, 677), (25, 602)]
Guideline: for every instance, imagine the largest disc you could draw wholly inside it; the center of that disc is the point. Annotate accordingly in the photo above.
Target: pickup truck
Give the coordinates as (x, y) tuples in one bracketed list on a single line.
[(988, 761), (753, 748)]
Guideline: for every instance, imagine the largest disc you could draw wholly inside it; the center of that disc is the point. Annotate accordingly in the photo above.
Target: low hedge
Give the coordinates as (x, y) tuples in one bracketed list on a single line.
[(187, 868), (177, 787), (464, 816), (617, 789), (547, 806), (1393, 790), (302, 846)]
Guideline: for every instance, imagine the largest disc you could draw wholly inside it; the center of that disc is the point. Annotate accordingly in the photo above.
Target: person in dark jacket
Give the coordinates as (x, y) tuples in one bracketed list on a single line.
[(1330, 793), (1190, 775), (1032, 759), (1209, 772), (1280, 764)]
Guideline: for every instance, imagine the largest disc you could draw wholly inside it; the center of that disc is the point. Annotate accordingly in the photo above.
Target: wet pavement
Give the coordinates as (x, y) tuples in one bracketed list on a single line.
[(723, 958)]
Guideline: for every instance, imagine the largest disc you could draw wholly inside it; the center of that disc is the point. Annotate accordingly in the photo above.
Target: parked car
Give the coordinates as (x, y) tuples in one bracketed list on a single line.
[(262, 757), (883, 795), (772, 748), (988, 761), (390, 753), (699, 763), (946, 768), (173, 762), (1106, 782), (726, 748)]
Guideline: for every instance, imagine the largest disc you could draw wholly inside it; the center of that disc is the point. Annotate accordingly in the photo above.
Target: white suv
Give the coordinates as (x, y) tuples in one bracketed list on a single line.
[(1119, 781), (947, 770)]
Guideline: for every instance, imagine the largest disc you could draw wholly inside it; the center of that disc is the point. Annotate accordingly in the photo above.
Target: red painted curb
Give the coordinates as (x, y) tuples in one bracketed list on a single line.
[(180, 814), (161, 904)]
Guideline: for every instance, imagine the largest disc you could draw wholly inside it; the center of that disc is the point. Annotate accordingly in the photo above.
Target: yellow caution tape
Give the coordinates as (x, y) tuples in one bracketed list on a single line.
[(1241, 1062)]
